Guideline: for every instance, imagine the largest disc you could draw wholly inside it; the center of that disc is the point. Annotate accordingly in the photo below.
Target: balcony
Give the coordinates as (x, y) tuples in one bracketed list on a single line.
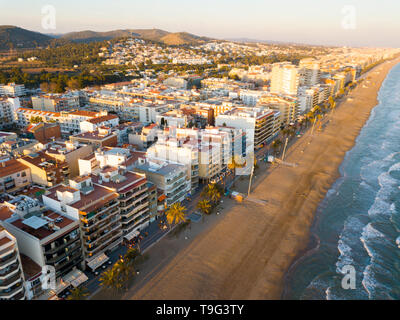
[(130, 194), (97, 222), (93, 234), (102, 235), (5, 284), (127, 220), (135, 210), (129, 204), (8, 260), (95, 213), (68, 260), (9, 271), (61, 246), (64, 254), (11, 292), (110, 242)]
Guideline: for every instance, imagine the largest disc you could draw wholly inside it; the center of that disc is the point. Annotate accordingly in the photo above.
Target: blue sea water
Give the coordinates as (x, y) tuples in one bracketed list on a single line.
[(358, 222)]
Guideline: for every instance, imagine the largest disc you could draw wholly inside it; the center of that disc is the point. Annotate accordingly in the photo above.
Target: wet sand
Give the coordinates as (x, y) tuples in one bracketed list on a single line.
[(246, 253)]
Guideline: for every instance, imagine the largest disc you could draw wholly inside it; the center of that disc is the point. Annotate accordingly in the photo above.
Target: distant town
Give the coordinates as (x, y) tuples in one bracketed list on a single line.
[(95, 169)]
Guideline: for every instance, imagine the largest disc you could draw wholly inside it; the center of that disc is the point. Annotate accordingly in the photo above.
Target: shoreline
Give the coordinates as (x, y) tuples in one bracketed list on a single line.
[(314, 240), (248, 252)]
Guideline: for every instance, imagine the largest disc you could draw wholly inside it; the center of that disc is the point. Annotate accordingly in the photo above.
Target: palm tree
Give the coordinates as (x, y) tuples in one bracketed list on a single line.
[(204, 206), (276, 145), (131, 255), (212, 193), (110, 279), (125, 271), (176, 214), (79, 293)]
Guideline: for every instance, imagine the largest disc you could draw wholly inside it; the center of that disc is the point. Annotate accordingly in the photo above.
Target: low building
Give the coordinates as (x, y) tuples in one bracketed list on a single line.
[(14, 176), (102, 137), (55, 102), (12, 90), (44, 132), (91, 125), (68, 152), (45, 170)]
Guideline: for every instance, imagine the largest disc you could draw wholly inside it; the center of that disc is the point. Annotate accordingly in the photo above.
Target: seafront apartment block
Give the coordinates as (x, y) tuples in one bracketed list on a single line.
[(11, 275)]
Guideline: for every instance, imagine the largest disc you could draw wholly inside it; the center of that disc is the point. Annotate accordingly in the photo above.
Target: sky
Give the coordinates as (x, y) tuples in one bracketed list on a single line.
[(326, 22)]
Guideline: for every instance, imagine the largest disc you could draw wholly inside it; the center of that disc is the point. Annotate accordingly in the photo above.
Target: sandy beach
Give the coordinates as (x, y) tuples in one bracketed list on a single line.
[(246, 252)]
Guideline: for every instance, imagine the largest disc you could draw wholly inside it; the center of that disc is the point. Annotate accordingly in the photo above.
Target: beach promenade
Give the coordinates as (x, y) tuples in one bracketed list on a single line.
[(244, 252)]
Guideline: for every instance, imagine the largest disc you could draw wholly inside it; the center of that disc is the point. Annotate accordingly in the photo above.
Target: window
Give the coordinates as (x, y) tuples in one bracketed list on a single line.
[(23, 174)]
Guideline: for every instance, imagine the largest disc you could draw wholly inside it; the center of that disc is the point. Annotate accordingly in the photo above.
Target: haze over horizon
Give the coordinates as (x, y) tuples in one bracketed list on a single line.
[(308, 21)]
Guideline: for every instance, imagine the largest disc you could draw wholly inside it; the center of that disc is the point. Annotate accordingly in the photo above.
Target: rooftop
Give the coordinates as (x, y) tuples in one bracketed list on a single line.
[(43, 224), (130, 178), (10, 167)]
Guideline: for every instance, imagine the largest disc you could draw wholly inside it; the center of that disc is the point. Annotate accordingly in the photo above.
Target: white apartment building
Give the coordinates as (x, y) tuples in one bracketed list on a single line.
[(259, 124), (250, 97), (11, 274), (8, 108), (286, 105), (215, 153), (92, 124), (178, 146), (285, 78), (69, 121), (148, 113), (96, 208), (309, 72), (55, 102), (12, 90), (171, 178)]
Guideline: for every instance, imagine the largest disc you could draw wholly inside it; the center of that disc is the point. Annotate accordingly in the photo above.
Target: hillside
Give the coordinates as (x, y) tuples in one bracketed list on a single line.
[(18, 38), (15, 37), (180, 38), (156, 35), (90, 36)]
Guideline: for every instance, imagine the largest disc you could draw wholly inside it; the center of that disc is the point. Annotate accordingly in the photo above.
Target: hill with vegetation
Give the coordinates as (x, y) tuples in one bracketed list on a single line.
[(156, 35), (12, 37)]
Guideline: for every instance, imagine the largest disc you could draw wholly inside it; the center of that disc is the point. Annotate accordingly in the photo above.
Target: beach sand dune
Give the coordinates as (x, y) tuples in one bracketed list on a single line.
[(246, 254)]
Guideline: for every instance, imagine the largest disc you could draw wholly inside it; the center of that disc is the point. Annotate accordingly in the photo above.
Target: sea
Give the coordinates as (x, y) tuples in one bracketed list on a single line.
[(354, 250)]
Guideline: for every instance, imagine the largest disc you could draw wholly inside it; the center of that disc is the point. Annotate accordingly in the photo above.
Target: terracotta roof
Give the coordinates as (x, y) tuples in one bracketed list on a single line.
[(10, 167), (5, 213), (103, 118), (84, 113)]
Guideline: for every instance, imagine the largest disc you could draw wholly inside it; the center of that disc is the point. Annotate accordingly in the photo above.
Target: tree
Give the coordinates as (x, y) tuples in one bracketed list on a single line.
[(110, 279), (124, 270), (176, 214), (212, 193), (36, 119), (79, 293), (45, 87), (131, 255), (204, 206), (73, 84), (276, 145)]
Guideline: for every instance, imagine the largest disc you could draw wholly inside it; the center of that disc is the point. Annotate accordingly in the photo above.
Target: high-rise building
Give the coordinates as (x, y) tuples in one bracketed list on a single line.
[(309, 72), (285, 78), (97, 210), (11, 275)]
